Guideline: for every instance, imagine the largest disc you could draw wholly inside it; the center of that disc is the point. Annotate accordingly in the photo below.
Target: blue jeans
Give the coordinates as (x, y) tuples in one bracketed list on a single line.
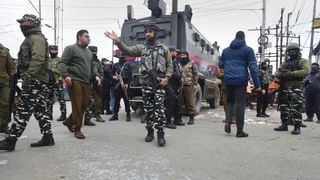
[(112, 99)]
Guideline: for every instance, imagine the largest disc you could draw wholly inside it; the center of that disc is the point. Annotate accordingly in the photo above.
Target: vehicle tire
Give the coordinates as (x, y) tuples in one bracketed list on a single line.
[(198, 99)]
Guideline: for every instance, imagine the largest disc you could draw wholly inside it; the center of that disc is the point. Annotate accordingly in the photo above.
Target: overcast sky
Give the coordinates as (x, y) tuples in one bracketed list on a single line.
[(218, 20)]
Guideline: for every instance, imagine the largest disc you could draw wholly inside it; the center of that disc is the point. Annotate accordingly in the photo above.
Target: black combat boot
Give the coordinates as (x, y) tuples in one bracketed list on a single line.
[(283, 127), (46, 140), (99, 118), (161, 139), (109, 112), (178, 121), (242, 134), (62, 117), (303, 125), (259, 115), (150, 135), (191, 120), (8, 144), (87, 122), (128, 117), (114, 117), (169, 124), (296, 130), (227, 127), (4, 129), (264, 114)]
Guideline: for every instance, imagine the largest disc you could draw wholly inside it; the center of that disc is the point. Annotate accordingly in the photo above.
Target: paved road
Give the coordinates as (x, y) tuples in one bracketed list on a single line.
[(117, 151)]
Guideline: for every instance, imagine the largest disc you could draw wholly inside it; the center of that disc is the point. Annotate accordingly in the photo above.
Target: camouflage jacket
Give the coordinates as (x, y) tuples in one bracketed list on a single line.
[(299, 70), (33, 56), (53, 67), (155, 57), (7, 67), (189, 74), (97, 64)]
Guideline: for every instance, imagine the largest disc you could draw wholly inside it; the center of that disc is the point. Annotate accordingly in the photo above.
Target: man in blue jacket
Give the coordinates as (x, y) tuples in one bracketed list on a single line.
[(312, 92), (235, 60)]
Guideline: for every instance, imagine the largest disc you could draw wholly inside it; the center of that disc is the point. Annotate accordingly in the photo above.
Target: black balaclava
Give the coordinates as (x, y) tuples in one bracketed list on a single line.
[(314, 68), (94, 50), (53, 50), (264, 66), (122, 60), (184, 60)]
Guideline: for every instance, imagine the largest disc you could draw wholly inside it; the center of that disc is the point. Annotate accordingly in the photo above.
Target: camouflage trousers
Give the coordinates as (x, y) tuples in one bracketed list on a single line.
[(92, 111), (32, 102), (56, 90), (291, 104), (153, 104)]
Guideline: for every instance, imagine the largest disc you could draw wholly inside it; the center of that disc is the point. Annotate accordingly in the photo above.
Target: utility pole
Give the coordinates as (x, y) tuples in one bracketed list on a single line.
[(55, 21), (263, 30), (277, 46), (281, 35), (40, 16), (62, 3), (312, 31), (288, 28)]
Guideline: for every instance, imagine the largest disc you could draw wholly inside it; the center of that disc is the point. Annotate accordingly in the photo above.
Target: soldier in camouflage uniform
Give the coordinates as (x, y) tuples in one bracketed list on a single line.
[(94, 108), (291, 96), (34, 58), (156, 57), (190, 84), (56, 84), (7, 69), (262, 97)]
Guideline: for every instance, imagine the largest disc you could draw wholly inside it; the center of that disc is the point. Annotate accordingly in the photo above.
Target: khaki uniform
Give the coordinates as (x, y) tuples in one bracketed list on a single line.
[(7, 68), (190, 80)]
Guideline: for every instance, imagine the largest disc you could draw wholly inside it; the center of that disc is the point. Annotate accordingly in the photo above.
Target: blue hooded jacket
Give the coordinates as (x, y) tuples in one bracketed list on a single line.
[(235, 60)]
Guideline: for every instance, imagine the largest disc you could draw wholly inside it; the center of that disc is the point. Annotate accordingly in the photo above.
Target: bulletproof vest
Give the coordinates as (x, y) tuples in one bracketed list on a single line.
[(188, 73), (153, 58), (292, 65), (265, 76)]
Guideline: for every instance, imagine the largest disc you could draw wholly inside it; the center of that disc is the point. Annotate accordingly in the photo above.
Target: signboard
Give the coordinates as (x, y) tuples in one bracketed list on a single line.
[(316, 23)]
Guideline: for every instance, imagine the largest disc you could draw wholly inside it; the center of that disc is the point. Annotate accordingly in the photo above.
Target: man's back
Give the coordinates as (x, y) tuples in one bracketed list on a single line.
[(235, 61)]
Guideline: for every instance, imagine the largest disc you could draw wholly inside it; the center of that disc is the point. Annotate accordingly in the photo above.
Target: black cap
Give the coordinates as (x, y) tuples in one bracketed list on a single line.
[(53, 47), (172, 48), (93, 49), (184, 52), (152, 26)]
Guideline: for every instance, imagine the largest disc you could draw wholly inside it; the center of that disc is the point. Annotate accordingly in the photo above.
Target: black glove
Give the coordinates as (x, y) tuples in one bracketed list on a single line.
[(26, 85), (306, 82)]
